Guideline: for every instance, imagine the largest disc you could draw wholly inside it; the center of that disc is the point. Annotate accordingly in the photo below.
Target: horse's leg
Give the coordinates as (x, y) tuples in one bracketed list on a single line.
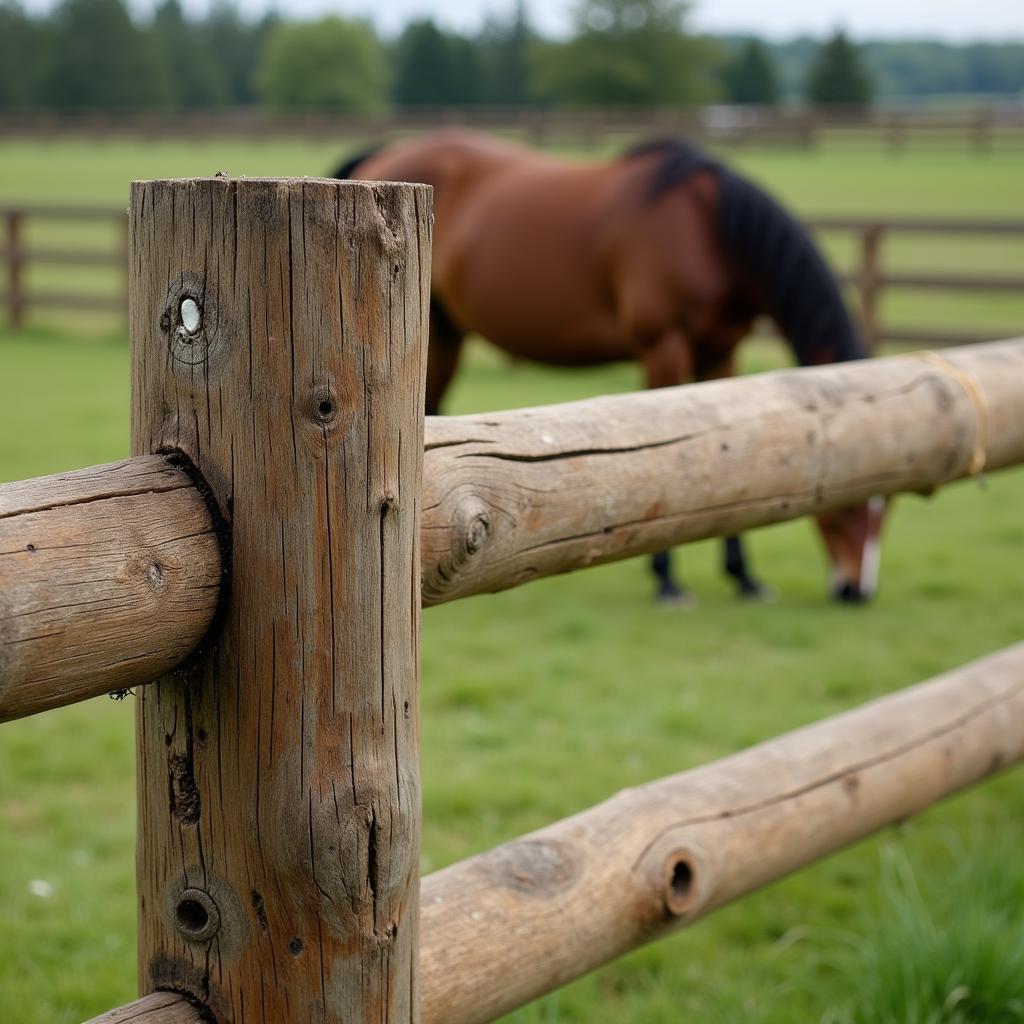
[(736, 566), (667, 362), (442, 356), (735, 560)]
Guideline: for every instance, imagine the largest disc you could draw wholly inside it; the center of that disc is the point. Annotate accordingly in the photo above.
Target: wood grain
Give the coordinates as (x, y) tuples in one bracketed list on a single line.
[(109, 577), (513, 496), (280, 880)]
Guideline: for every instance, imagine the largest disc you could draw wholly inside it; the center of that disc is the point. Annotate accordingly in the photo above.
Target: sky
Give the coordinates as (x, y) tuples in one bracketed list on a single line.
[(953, 20), (950, 20)]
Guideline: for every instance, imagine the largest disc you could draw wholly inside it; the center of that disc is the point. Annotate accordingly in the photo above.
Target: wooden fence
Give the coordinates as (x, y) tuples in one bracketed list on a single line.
[(17, 256), (978, 130), (869, 280), (261, 560)]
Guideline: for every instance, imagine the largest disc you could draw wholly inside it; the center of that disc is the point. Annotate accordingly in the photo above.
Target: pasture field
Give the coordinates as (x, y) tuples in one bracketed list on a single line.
[(833, 179), (541, 701), (547, 699)]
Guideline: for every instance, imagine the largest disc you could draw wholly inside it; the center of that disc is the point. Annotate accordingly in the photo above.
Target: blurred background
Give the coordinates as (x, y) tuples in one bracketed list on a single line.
[(895, 131)]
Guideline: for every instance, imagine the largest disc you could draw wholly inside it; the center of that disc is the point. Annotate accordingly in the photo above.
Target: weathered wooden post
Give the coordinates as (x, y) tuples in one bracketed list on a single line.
[(870, 283), (15, 265), (278, 341)]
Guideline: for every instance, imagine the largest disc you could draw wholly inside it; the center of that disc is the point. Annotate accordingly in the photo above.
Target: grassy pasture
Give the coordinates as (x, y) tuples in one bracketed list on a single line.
[(546, 699)]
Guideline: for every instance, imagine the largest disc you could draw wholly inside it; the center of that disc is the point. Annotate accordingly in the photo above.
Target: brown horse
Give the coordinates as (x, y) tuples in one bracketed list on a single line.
[(662, 255)]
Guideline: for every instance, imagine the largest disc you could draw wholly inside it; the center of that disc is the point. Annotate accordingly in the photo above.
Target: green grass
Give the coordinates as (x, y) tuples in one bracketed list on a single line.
[(949, 953), (546, 699), (537, 703)]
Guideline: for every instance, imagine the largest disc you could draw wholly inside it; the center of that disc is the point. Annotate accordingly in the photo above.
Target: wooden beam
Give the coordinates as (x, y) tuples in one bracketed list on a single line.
[(109, 577), (158, 1008), (513, 496), (278, 338), (509, 925)]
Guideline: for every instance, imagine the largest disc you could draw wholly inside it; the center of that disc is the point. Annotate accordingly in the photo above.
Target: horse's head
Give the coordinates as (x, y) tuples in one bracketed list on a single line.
[(798, 291), (852, 537)]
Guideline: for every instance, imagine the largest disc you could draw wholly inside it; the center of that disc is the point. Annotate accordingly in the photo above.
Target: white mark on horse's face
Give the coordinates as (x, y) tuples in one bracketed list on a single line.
[(872, 555)]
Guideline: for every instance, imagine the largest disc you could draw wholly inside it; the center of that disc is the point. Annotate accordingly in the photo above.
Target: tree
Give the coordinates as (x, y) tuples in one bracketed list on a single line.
[(434, 68), (330, 64), (627, 53), (837, 76), (750, 77), (99, 59), (238, 45), (20, 45), (195, 77), (507, 47)]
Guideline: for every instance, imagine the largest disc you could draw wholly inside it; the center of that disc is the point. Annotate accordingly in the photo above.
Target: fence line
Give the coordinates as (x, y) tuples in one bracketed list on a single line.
[(978, 130), (18, 256), (868, 279), (279, 333)]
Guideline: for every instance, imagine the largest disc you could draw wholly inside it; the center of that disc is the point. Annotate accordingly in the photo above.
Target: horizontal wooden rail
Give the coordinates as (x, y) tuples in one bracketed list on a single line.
[(935, 336), (70, 257), (44, 211), (69, 300), (507, 926), (513, 496), (109, 577), (921, 225), (509, 497), (942, 282)]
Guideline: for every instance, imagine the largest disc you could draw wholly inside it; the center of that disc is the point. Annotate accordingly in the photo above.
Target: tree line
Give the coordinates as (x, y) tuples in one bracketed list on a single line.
[(92, 54)]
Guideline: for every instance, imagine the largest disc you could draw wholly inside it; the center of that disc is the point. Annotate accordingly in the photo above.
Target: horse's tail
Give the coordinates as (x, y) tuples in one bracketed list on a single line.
[(347, 169)]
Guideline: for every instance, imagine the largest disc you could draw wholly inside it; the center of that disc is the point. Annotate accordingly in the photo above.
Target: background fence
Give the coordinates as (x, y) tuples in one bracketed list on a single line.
[(981, 130), (864, 272)]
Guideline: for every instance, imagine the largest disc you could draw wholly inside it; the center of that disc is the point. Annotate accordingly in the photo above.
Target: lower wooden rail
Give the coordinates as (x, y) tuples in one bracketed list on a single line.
[(507, 926)]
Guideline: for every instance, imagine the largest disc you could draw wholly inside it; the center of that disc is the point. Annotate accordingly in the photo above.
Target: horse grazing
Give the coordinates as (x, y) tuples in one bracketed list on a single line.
[(662, 255)]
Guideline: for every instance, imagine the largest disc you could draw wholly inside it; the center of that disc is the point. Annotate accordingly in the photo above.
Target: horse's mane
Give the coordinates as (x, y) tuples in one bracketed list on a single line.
[(760, 237)]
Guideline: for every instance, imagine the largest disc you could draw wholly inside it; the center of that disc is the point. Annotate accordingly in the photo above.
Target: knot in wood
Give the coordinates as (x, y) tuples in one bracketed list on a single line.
[(539, 868), (156, 576), (322, 406), (680, 886), (196, 916), (189, 317), (477, 532)]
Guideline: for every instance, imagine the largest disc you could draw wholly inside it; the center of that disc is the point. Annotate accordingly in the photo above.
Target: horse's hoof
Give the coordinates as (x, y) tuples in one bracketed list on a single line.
[(850, 593), (676, 599), (759, 592)]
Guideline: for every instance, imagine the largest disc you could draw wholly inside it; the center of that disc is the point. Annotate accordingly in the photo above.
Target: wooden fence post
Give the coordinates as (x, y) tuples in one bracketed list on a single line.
[(15, 268), (871, 243), (278, 340)]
